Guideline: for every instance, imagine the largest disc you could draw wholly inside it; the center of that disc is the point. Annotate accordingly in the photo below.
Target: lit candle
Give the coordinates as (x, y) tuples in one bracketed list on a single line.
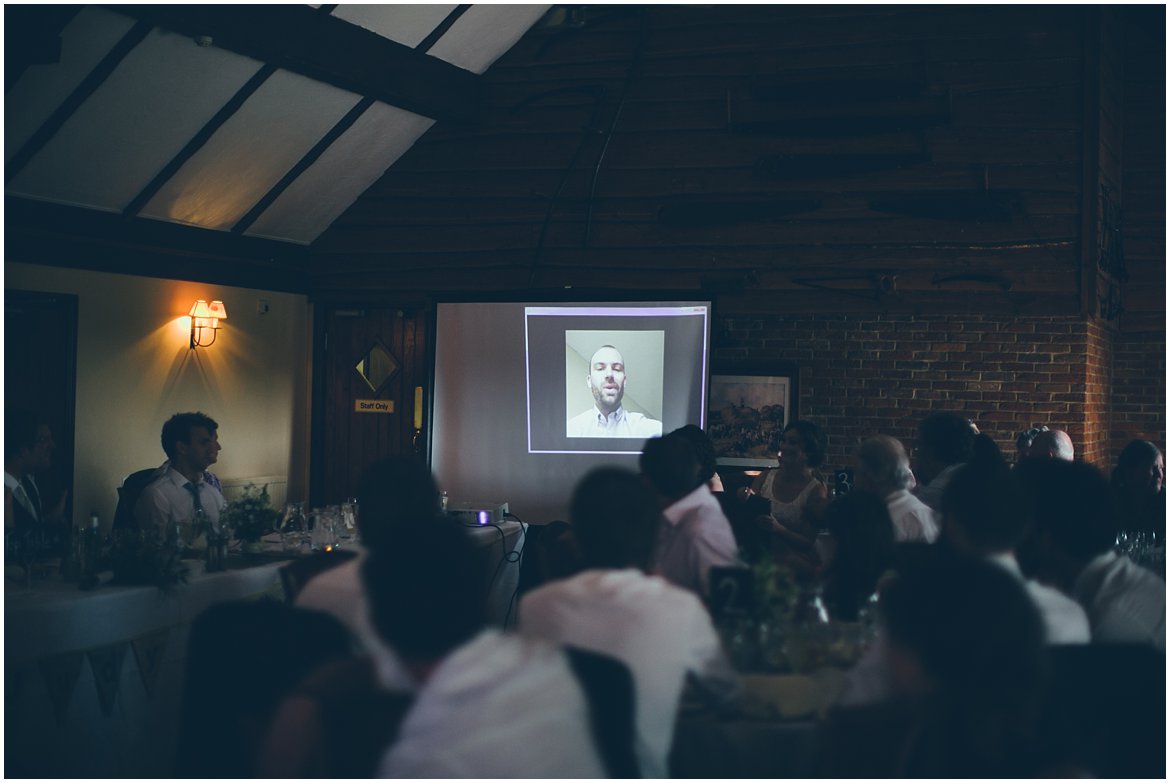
[(418, 407)]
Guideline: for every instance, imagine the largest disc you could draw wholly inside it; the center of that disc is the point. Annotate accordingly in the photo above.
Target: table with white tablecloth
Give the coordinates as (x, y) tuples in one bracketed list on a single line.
[(93, 679)]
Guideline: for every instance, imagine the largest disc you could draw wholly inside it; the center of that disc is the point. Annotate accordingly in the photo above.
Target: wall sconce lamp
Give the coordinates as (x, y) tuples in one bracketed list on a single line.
[(205, 318)]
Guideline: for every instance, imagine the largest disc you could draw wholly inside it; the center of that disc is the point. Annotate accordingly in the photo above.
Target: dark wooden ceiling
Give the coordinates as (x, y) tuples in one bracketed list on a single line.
[(827, 158)]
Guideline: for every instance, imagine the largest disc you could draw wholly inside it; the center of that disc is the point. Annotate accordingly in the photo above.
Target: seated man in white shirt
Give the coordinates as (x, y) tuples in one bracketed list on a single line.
[(607, 418), (394, 493), (883, 469), (490, 704), (663, 633), (694, 533), (1072, 548), (191, 442), (985, 513)]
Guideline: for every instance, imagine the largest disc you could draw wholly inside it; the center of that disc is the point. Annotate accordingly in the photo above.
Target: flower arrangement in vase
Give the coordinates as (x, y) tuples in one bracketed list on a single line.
[(251, 516)]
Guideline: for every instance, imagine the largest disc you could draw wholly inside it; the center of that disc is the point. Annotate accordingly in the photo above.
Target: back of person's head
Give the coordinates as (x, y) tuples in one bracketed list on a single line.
[(1071, 506), (394, 493), (969, 623), (243, 659), (976, 641), (177, 429), (813, 440), (882, 465), (704, 449), (1052, 444), (21, 428), (1025, 439), (427, 592), (864, 533), (985, 452), (671, 466), (985, 509), (615, 519), (948, 437)]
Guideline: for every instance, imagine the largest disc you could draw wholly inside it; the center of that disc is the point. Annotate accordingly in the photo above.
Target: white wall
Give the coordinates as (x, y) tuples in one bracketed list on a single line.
[(135, 369)]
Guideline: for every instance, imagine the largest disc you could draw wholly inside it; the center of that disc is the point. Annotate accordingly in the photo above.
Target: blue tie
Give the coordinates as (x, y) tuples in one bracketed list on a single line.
[(194, 490)]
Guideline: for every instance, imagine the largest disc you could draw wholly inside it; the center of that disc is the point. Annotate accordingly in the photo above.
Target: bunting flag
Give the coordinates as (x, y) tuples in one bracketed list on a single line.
[(106, 663), (60, 673), (148, 651)]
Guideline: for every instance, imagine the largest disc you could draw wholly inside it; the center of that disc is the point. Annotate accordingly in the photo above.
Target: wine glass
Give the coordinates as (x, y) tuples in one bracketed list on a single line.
[(292, 526)]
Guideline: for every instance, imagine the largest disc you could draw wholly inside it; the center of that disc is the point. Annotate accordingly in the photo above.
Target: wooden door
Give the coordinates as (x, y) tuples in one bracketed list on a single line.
[(40, 373), (370, 360)]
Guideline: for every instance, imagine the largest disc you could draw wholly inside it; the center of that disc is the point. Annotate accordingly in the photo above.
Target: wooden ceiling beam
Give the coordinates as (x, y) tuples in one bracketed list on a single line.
[(74, 237), (322, 47)]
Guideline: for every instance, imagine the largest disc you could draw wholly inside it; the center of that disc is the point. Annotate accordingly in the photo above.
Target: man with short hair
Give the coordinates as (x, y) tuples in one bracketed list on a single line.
[(662, 632), (191, 443), (883, 469), (396, 494), (490, 704), (607, 418), (694, 533), (28, 450), (1052, 444), (1073, 550), (946, 442), (985, 514)]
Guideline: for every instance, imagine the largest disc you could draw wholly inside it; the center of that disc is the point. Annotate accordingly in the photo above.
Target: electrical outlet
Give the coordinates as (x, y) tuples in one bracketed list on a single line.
[(262, 307)]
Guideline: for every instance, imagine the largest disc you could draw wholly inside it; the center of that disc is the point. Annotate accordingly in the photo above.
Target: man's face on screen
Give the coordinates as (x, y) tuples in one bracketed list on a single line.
[(607, 378)]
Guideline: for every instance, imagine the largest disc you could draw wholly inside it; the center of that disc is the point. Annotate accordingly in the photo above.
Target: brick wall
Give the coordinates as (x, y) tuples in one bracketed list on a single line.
[(863, 375), (1095, 447), (1139, 390)]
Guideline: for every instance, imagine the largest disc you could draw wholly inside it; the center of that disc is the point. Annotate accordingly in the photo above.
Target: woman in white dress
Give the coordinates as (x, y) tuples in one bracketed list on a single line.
[(796, 493)]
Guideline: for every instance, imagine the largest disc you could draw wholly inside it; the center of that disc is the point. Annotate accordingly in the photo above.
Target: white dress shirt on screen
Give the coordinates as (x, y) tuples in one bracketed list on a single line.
[(619, 424)]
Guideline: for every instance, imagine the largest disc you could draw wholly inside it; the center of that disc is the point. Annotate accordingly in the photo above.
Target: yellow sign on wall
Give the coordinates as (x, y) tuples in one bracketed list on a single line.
[(373, 406)]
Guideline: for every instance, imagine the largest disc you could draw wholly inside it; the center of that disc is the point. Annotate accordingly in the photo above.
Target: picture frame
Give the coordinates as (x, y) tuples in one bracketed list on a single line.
[(748, 408)]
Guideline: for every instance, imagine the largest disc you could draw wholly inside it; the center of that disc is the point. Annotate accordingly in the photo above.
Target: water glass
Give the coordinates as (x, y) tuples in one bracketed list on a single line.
[(323, 528), (349, 512), (293, 527)]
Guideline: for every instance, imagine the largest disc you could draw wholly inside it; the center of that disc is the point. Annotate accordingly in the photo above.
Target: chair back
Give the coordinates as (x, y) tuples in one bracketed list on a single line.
[(609, 691), (243, 659), (296, 574), (128, 495)]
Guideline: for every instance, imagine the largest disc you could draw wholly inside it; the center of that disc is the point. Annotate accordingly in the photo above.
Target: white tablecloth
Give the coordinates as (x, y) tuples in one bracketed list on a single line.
[(93, 680)]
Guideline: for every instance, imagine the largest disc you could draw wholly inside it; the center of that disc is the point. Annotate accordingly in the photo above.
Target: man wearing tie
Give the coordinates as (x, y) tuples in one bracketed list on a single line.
[(178, 495), (28, 449)]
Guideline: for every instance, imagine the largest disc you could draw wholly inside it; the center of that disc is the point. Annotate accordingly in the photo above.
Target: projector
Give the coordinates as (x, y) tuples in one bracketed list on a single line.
[(472, 513)]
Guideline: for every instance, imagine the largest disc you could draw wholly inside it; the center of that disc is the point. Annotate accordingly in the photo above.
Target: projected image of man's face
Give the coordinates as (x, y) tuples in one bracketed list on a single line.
[(607, 378)]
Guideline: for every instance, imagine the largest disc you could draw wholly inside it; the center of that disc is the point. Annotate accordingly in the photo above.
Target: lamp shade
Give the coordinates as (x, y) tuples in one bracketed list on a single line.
[(214, 309)]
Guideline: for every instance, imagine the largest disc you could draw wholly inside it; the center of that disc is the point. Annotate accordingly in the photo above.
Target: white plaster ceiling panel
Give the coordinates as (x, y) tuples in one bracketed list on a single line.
[(406, 24), (38, 92), (484, 33), (251, 152), (347, 169), (157, 99)]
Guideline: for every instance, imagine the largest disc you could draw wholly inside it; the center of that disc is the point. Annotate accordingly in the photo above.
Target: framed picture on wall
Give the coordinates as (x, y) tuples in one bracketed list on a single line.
[(750, 405)]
